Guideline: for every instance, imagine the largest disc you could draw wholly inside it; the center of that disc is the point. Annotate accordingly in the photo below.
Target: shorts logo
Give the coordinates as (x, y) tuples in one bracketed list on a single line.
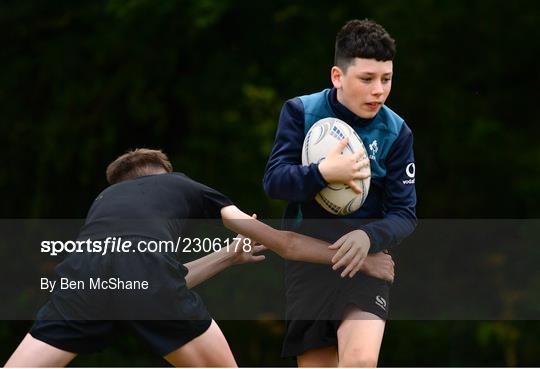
[(381, 302), (410, 170)]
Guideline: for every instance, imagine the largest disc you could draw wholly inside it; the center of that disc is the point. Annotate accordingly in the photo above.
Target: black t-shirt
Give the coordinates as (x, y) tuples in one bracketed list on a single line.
[(154, 206)]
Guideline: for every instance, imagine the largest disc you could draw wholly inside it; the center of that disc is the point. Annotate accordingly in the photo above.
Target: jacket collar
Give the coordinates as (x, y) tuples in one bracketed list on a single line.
[(345, 114)]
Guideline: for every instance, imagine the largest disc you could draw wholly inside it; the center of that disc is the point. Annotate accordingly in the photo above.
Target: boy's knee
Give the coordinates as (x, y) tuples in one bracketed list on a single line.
[(358, 358)]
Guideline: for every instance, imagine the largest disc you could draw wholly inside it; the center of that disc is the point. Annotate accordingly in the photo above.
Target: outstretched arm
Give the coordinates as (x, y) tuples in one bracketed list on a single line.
[(288, 245), (294, 246)]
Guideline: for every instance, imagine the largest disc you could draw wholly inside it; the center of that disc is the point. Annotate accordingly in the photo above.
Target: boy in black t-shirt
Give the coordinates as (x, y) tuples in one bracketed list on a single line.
[(148, 202)]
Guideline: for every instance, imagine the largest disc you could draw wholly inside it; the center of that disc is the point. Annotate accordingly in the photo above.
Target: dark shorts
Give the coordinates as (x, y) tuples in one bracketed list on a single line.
[(317, 298), (87, 336), (166, 315)]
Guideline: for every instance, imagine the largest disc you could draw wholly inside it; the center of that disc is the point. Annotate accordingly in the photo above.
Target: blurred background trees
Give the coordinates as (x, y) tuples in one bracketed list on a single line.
[(81, 82)]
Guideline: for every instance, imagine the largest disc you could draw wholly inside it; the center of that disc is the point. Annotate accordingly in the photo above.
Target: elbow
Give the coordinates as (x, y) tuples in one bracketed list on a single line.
[(413, 220), (274, 184), (414, 224), (408, 226), (267, 188), (267, 185), (408, 218)]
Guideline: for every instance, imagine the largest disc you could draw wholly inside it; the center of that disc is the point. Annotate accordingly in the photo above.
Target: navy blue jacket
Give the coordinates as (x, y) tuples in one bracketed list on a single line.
[(388, 214)]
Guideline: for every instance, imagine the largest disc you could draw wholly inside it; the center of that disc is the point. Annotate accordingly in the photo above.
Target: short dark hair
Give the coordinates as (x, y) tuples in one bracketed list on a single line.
[(363, 39), (135, 163)]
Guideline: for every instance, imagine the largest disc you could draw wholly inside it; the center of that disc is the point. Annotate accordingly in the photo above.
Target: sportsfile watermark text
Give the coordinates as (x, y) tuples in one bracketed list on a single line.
[(120, 245)]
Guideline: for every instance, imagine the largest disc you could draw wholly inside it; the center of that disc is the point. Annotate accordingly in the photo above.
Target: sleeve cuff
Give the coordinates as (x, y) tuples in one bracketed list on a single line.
[(373, 244), (318, 176)]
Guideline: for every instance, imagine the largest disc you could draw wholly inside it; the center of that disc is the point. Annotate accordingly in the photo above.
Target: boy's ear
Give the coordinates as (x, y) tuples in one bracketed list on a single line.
[(335, 75)]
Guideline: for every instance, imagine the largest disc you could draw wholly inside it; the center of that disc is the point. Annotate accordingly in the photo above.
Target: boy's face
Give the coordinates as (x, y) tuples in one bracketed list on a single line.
[(364, 86)]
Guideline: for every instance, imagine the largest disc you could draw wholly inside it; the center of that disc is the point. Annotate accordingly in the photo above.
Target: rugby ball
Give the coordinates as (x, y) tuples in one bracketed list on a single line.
[(325, 134)]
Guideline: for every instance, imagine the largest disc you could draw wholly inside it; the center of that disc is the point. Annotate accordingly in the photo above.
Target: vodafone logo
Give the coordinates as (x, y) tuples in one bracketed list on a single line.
[(411, 171)]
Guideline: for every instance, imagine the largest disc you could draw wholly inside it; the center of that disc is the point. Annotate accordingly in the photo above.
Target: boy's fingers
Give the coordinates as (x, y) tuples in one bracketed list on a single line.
[(345, 259), (349, 267), (361, 175), (361, 164), (342, 250), (352, 266), (337, 258), (354, 187), (338, 243), (358, 267), (259, 248), (356, 270), (340, 146), (358, 155), (334, 246)]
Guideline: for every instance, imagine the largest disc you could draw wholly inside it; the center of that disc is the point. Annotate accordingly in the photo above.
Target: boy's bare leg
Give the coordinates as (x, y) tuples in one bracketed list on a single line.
[(359, 341), (35, 353), (360, 336), (323, 357), (210, 349)]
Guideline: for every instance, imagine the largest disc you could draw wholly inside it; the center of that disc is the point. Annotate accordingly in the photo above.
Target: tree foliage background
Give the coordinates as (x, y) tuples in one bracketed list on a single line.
[(81, 82)]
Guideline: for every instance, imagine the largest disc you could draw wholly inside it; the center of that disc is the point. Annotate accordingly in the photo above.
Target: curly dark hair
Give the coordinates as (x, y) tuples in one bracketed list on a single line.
[(363, 39)]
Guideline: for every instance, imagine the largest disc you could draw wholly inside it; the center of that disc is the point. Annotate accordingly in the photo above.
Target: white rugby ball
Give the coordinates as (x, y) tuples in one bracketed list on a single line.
[(325, 134)]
